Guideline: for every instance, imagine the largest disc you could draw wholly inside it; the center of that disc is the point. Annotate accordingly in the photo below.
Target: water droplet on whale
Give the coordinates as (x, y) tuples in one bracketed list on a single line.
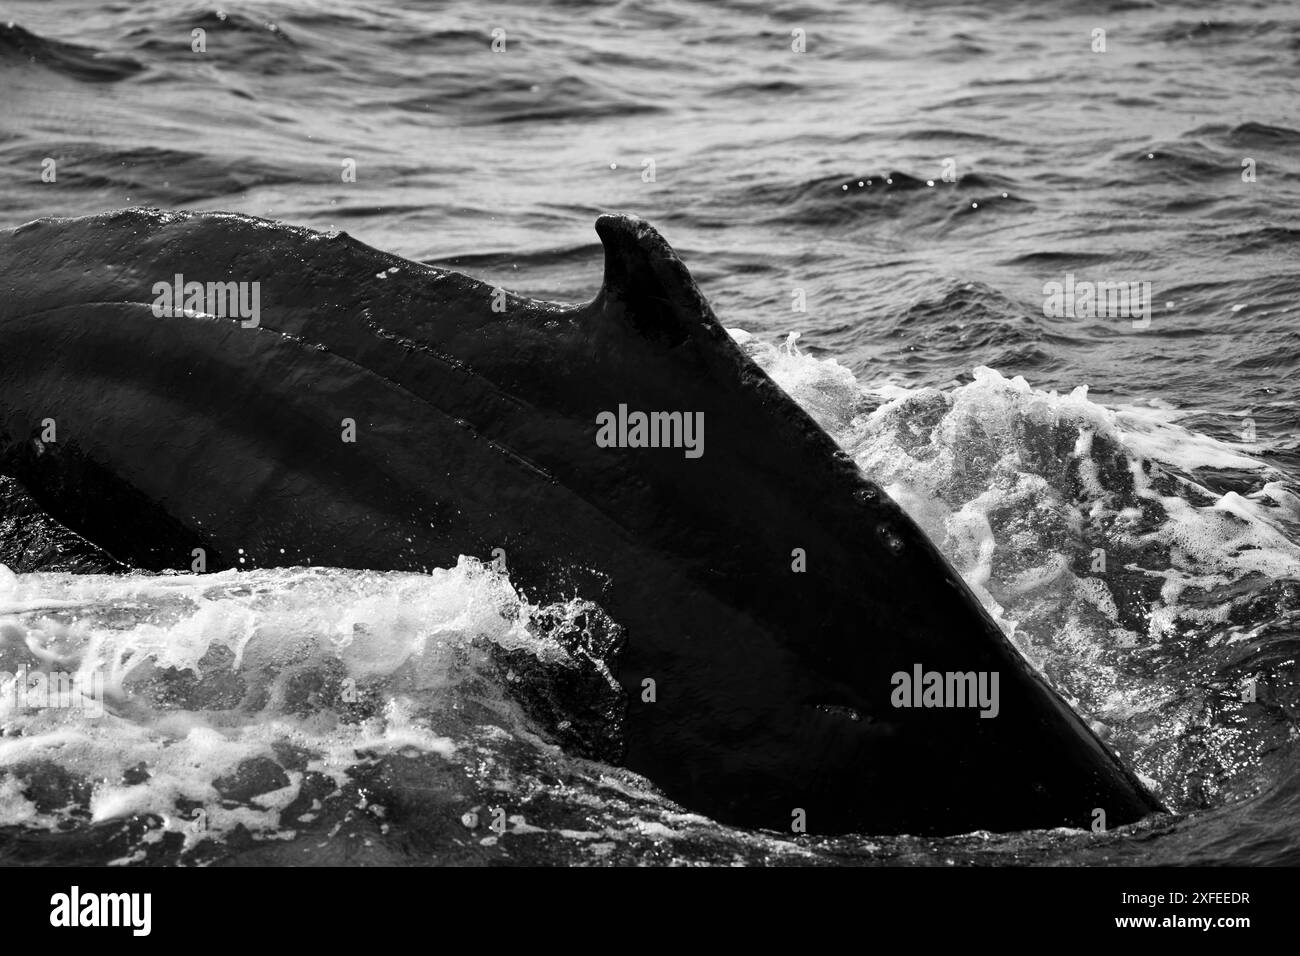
[(891, 539)]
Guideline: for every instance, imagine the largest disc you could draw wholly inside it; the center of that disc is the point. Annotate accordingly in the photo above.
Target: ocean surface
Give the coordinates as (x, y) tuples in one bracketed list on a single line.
[(878, 219)]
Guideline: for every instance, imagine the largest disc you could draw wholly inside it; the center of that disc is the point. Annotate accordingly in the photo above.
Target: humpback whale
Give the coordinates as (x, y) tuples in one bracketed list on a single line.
[(795, 650)]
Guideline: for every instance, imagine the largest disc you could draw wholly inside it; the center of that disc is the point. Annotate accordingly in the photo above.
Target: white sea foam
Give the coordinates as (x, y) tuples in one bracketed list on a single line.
[(202, 675), (1062, 515)]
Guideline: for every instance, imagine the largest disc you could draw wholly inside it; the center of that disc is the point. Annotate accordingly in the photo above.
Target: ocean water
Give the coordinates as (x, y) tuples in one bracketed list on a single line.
[(915, 178)]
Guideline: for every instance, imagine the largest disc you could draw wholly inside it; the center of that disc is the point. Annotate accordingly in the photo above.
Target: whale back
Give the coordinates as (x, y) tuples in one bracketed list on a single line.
[(385, 414)]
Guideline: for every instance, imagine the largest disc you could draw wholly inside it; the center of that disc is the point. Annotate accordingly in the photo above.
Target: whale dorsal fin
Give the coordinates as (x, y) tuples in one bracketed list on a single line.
[(649, 285)]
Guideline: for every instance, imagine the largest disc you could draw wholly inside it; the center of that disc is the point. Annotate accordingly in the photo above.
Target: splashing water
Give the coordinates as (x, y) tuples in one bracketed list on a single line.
[(1111, 546)]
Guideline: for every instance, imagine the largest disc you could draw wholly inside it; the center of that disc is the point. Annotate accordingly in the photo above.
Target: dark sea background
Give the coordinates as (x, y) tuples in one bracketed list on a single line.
[(1023, 444)]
